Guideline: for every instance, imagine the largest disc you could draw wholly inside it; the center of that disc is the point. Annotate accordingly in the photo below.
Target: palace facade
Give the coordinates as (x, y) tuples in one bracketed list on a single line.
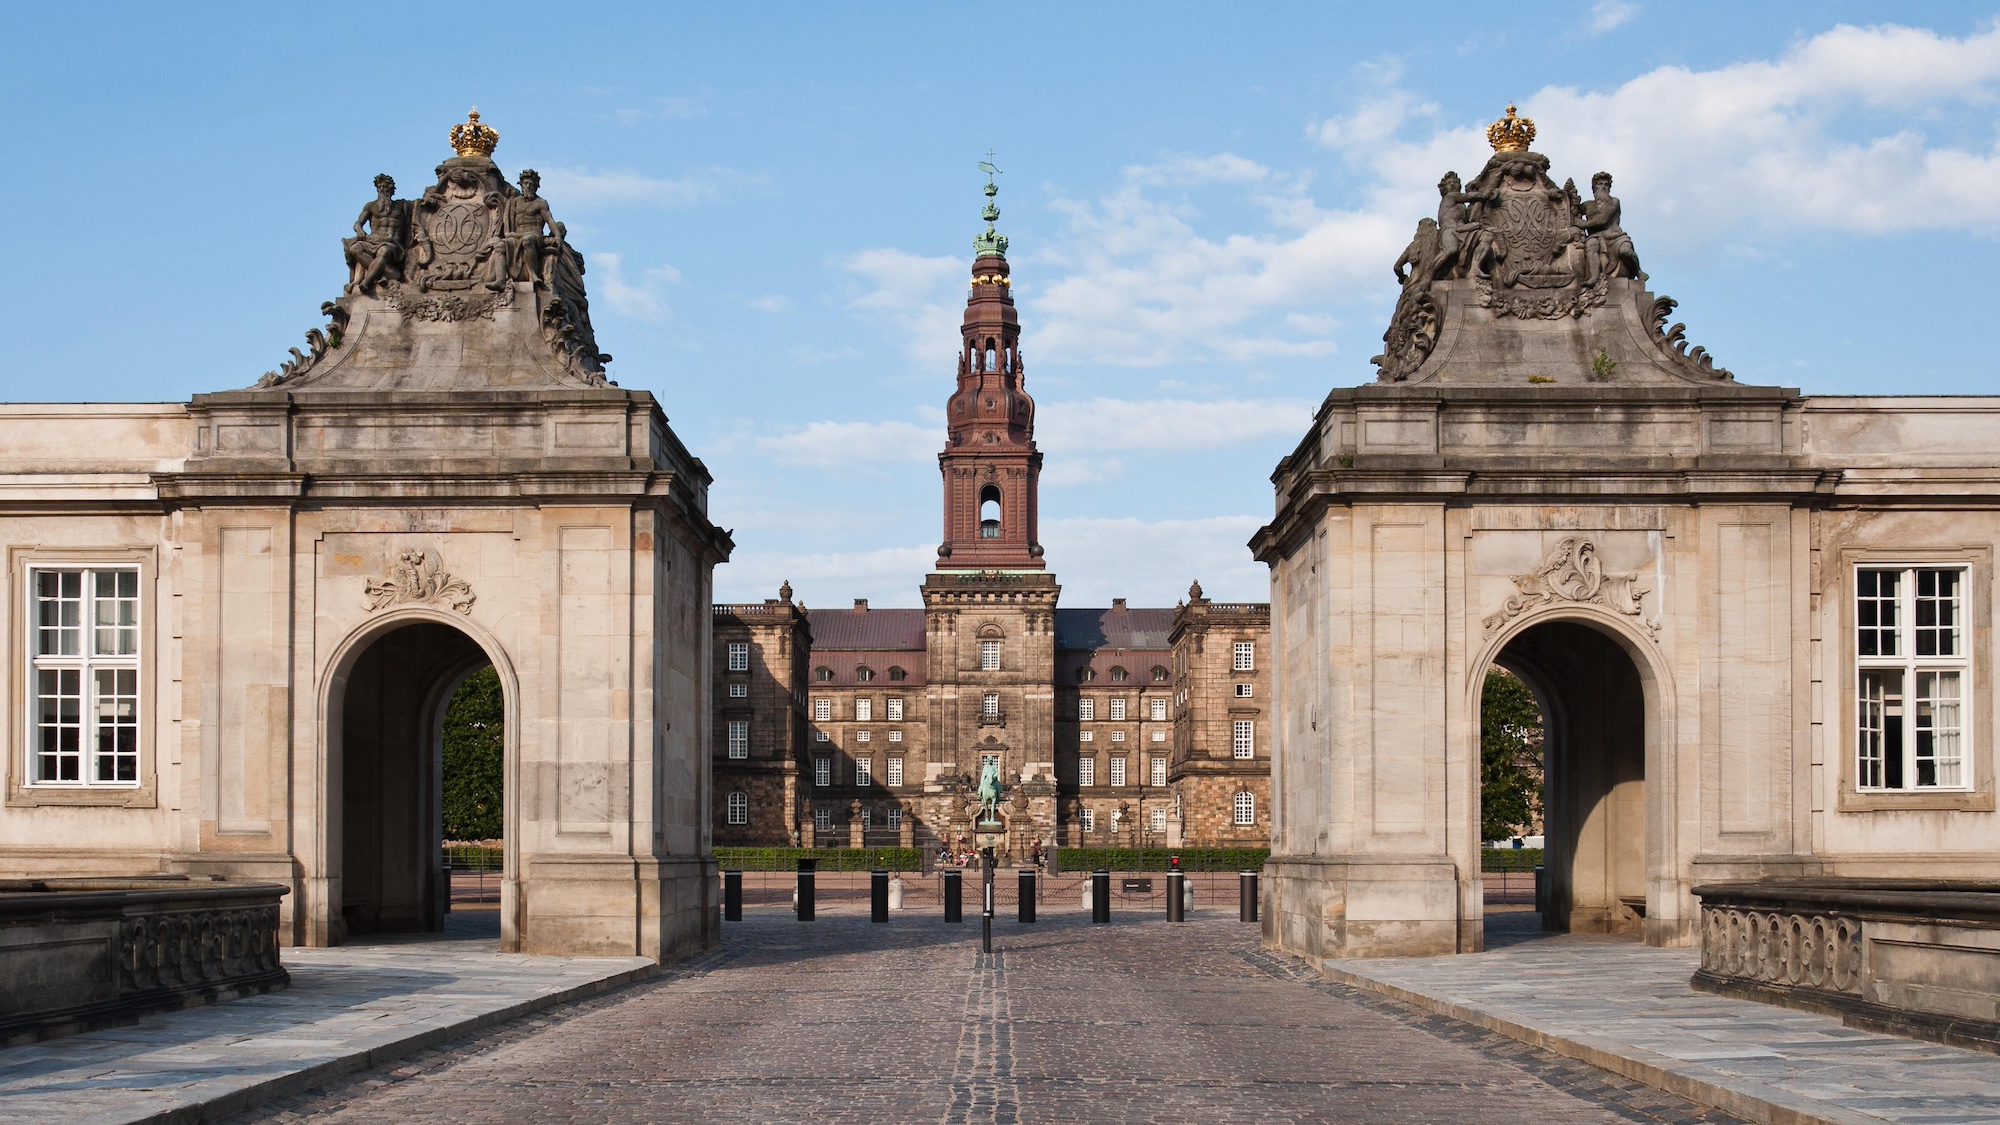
[(1111, 727)]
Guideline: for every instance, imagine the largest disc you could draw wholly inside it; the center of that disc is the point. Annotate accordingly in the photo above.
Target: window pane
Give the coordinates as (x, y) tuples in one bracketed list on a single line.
[(1159, 771), (1938, 612), (864, 710), (117, 713), (864, 771), (59, 612), (1939, 757), (1246, 808), (1875, 593), (822, 771), (739, 738), (59, 725), (1118, 709), (1086, 709), (1117, 771), (895, 771), (989, 656), (1244, 739), (115, 612), (1086, 771)]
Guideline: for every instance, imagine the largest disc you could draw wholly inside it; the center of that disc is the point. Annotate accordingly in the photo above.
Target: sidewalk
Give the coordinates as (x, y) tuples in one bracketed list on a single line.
[(348, 1008), (1628, 1009)]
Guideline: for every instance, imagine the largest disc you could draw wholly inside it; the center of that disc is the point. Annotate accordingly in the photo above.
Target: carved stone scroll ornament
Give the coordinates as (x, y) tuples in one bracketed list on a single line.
[(320, 343), (418, 577), (1571, 572), (1674, 342)]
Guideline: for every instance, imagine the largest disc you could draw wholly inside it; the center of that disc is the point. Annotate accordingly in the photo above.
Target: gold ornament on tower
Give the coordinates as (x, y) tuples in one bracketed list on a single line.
[(1509, 134), (474, 139)]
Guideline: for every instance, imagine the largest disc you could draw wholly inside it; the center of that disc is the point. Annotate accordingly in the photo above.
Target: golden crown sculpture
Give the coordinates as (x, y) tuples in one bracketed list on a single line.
[(474, 139), (1509, 134)]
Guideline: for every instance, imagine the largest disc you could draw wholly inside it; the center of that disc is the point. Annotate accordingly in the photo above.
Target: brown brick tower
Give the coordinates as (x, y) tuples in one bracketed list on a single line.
[(989, 607)]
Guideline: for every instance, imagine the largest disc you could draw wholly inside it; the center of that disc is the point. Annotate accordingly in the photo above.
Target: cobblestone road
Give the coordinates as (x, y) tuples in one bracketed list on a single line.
[(840, 1020)]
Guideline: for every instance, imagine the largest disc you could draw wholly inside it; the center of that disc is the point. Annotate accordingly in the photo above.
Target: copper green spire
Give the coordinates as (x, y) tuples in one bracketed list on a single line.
[(990, 243)]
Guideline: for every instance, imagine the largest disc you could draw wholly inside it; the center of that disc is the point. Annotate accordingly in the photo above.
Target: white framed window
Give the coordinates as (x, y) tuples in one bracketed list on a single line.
[(895, 818), (822, 820), (1086, 709), (1246, 656), (83, 674), (1243, 738), (1913, 672), (893, 710), (822, 736), (895, 736), (739, 691), (1157, 709), (1117, 710), (895, 771), (861, 736), (1159, 736), (739, 656), (1089, 819), (990, 705), (864, 771), (1117, 771), (1158, 770), (1117, 736), (1086, 771), (739, 738), (1245, 691), (822, 710), (1159, 820), (1246, 808), (989, 656), (864, 710), (822, 771), (867, 815), (1086, 736), (738, 808)]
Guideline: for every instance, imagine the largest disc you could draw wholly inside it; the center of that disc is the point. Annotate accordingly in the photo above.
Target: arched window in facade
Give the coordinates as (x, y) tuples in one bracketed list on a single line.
[(738, 808), (1246, 808), (989, 512)]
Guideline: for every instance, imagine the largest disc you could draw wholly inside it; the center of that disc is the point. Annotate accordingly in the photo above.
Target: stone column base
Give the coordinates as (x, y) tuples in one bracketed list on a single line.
[(617, 906), (1325, 907)]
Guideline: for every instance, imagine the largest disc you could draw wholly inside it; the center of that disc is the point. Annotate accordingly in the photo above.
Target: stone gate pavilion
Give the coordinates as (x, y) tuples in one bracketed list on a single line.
[(232, 625), (1759, 624)]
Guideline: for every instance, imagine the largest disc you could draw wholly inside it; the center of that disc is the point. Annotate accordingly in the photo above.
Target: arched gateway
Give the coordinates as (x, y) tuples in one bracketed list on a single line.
[(286, 583), (1758, 624)]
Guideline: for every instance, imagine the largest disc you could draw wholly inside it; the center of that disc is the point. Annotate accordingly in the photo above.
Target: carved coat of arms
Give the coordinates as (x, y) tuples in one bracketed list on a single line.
[(1572, 572), (418, 576)]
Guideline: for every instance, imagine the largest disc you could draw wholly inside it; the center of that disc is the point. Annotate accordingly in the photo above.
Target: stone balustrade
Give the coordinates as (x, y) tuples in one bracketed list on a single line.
[(81, 953), (1913, 957)]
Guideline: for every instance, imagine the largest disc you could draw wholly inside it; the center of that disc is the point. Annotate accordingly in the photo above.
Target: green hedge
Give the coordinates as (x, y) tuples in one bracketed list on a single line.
[(472, 857), (1072, 860), (1510, 859), (830, 859)]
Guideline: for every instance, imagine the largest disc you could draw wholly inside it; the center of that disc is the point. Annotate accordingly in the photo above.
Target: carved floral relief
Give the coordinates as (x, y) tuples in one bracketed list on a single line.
[(418, 576), (1571, 571)]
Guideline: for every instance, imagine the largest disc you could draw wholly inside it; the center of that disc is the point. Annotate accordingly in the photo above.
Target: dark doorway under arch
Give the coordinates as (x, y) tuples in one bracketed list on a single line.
[(391, 711), (1593, 705)]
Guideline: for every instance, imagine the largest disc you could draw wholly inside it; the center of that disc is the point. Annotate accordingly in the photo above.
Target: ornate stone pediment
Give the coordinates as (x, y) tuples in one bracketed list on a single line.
[(471, 286), (1571, 572), (418, 576)]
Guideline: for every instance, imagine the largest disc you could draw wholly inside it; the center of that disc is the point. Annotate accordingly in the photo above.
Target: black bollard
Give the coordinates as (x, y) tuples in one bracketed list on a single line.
[(1025, 882), (1100, 896), (1176, 896), (806, 868), (732, 896), (954, 902), (1246, 896), (878, 896), (986, 908)]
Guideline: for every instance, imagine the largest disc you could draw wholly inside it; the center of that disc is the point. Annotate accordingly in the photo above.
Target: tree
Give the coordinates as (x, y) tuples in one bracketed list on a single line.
[(475, 737), (1510, 757)]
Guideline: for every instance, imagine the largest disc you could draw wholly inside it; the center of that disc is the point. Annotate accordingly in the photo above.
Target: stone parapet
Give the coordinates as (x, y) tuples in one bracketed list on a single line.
[(82, 953), (1910, 956)]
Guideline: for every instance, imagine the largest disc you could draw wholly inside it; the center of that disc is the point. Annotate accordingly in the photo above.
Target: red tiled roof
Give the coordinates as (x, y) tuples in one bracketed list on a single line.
[(875, 630)]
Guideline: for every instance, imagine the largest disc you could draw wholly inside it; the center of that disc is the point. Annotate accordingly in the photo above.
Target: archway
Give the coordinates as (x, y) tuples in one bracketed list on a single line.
[(1595, 716), (386, 727)]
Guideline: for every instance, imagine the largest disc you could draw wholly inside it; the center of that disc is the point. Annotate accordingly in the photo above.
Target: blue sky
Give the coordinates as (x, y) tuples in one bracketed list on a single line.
[(777, 204)]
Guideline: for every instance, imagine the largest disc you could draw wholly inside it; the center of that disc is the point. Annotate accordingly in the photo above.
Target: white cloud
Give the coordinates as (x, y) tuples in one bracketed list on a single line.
[(771, 303), (1164, 425), (1060, 472), (1152, 562), (886, 576), (1608, 14), (914, 295), (848, 445), (669, 109), (582, 188), (641, 299)]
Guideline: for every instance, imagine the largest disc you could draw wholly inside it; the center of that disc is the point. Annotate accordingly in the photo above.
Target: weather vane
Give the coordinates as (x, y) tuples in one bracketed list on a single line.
[(987, 166)]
